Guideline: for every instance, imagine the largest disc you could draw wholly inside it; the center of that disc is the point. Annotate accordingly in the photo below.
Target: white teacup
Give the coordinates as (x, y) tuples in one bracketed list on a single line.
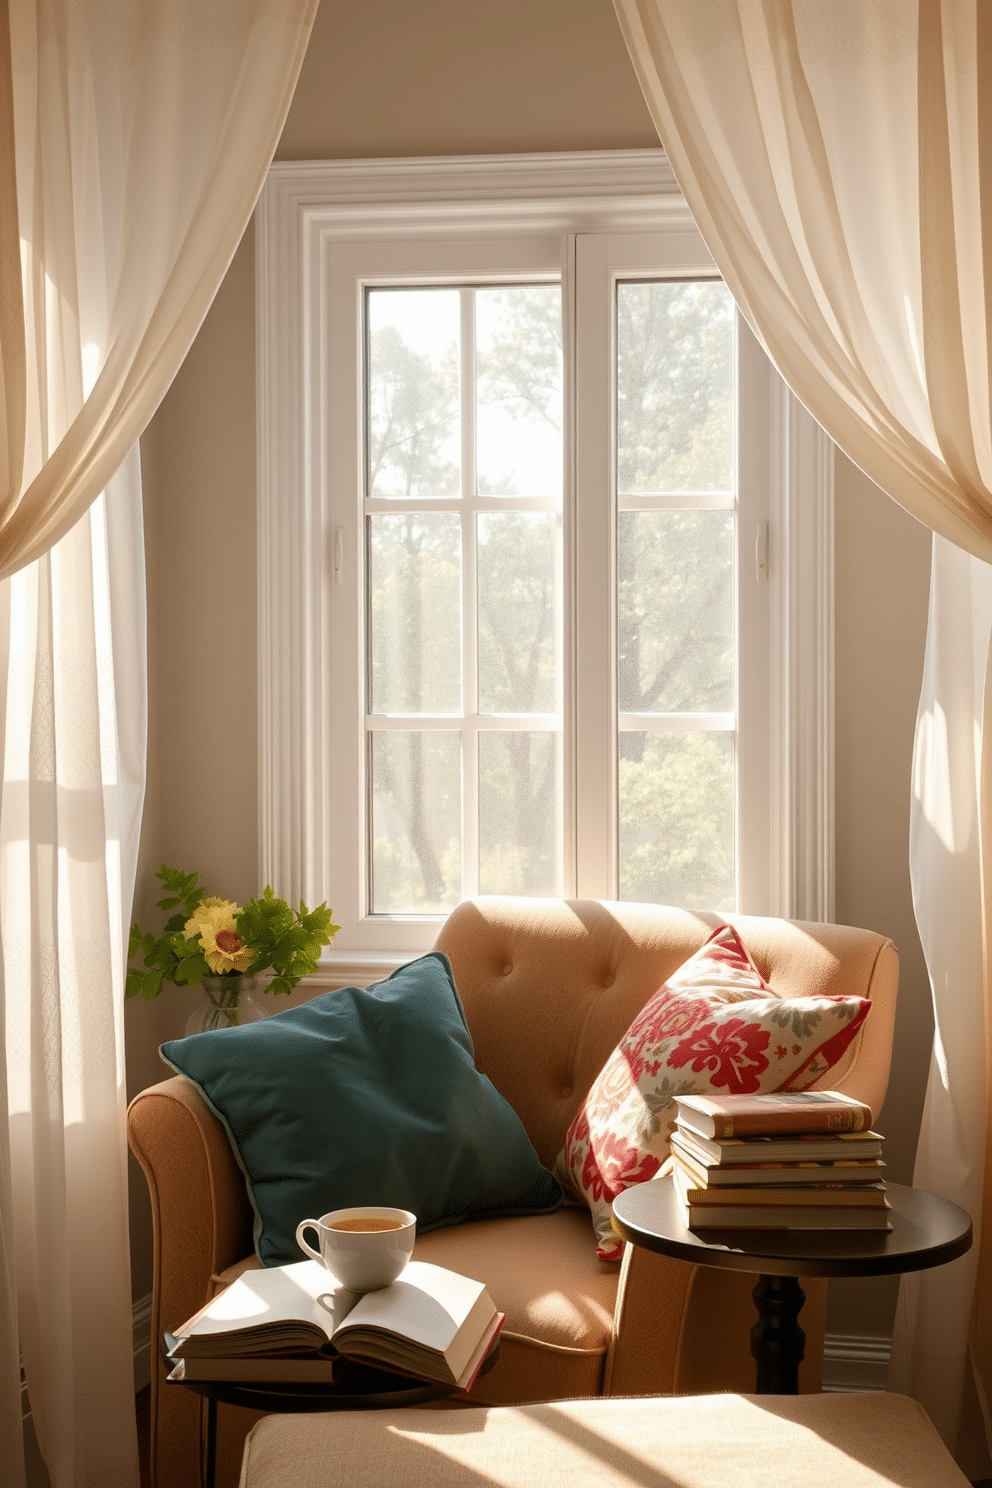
[(364, 1248)]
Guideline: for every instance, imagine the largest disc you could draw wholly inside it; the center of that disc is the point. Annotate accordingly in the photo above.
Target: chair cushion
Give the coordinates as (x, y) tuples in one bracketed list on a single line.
[(715, 1026), (365, 1096), (559, 1300), (695, 1441)]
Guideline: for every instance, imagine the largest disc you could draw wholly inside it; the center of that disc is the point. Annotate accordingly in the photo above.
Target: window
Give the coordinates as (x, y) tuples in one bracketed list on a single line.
[(675, 455), (462, 727), (540, 612)]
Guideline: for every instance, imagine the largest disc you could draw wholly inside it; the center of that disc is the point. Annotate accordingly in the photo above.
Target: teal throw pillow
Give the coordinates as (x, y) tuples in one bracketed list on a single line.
[(366, 1096)]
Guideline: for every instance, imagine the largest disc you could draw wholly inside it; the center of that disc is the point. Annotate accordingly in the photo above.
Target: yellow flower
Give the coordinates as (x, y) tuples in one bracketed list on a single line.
[(210, 902), (213, 924)]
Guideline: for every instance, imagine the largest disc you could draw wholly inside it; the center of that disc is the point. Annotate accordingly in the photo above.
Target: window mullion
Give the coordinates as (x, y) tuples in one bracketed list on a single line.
[(595, 569)]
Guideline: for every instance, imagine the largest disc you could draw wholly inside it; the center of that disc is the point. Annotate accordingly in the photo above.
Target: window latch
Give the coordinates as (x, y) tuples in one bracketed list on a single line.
[(761, 553)]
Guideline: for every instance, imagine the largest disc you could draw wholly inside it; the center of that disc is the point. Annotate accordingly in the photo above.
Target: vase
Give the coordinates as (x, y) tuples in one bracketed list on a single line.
[(228, 1001)]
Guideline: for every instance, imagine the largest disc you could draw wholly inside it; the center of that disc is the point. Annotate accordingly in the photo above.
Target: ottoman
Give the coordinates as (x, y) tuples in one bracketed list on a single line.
[(698, 1441)]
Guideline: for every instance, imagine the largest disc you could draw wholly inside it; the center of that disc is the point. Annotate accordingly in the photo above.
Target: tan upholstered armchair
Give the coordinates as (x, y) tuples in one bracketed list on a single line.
[(549, 987)]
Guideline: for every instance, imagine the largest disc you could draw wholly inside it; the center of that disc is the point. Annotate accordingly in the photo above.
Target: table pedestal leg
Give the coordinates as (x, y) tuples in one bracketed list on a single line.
[(777, 1341), (211, 1463)]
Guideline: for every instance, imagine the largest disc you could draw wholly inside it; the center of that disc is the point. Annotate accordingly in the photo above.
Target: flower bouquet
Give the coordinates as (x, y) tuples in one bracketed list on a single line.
[(215, 941)]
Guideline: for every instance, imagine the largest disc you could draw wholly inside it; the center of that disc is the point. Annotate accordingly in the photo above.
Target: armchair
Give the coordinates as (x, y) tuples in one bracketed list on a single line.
[(549, 987)]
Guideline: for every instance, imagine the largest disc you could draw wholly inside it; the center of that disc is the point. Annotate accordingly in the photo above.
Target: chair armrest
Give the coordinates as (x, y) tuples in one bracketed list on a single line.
[(201, 1223), (685, 1330), (201, 1215)]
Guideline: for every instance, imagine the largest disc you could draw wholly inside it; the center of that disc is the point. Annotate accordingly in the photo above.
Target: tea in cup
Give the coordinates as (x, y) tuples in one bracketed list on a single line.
[(363, 1248)]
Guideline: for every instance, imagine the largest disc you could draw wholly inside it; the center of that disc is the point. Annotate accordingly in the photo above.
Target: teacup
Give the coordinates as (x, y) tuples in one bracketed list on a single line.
[(365, 1248)]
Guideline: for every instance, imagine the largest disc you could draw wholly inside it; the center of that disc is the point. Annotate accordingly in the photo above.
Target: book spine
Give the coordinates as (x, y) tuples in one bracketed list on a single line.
[(863, 1146), (784, 1198), (829, 1120), (474, 1366), (731, 1218)]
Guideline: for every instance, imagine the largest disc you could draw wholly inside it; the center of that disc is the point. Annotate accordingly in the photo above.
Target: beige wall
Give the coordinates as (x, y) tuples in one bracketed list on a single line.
[(882, 580), (458, 77)]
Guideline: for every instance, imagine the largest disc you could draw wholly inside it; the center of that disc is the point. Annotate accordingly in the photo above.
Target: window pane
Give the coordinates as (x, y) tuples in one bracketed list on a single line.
[(518, 607), (677, 819), (416, 822), (675, 387), (675, 611), (519, 813), (415, 613), (414, 437), (519, 391)]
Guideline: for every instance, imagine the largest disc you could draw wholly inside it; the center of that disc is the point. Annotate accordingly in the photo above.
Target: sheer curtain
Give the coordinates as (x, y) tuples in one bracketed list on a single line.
[(837, 159), (134, 139)]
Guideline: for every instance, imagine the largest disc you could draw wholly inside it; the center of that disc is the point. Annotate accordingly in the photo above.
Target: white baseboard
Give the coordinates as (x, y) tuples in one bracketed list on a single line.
[(852, 1362)]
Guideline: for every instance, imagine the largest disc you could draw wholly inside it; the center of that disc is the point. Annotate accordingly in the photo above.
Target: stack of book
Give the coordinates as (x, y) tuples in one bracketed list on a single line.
[(778, 1162), (296, 1324)]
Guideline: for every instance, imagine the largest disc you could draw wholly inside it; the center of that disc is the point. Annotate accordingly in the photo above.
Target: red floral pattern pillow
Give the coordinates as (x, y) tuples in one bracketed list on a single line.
[(714, 1027)]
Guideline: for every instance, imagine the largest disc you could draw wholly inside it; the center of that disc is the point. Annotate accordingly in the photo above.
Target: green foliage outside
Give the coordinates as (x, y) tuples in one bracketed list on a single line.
[(676, 604), (677, 821)]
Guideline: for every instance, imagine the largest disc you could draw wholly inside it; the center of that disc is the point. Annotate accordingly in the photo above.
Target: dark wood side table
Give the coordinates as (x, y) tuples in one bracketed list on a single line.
[(926, 1231), (360, 1387)]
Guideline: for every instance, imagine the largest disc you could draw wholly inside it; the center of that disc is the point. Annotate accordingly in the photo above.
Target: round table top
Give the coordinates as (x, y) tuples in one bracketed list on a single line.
[(926, 1231), (359, 1387), (303, 1397)]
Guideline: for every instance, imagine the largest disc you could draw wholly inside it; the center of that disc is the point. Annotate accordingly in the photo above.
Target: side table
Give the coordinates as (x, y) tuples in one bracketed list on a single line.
[(361, 1387), (926, 1231)]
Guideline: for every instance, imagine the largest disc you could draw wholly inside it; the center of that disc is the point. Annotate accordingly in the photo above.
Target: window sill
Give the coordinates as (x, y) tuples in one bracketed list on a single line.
[(355, 968)]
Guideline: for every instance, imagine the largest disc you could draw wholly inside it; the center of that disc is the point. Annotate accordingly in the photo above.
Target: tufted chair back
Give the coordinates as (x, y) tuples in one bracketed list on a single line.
[(550, 986)]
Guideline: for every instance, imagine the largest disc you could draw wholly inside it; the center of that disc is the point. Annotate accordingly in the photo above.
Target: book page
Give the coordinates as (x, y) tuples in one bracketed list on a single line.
[(268, 1298), (427, 1304)]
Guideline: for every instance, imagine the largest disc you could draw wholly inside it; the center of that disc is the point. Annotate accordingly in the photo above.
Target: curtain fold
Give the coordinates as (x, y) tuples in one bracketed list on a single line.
[(943, 1315), (840, 189), (75, 715), (137, 138), (838, 162), (134, 139)]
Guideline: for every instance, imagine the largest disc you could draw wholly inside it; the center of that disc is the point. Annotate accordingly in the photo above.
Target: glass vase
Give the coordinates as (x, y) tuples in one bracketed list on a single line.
[(228, 1000)]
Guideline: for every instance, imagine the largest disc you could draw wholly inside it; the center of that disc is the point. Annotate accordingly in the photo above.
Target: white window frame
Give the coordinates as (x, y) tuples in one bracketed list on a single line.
[(311, 210)]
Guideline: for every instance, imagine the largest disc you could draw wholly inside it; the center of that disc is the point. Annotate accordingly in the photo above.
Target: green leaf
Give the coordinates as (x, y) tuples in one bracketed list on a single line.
[(288, 941), (190, 963), (151, 985), (181, 888)]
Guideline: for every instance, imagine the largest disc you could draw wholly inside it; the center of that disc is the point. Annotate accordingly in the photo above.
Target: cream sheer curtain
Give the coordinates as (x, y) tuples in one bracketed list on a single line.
[(837, 159), (942, 1343), (134, 139)]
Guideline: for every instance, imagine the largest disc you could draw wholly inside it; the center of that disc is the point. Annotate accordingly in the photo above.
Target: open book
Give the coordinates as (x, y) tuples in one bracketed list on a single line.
[(294, 1323)]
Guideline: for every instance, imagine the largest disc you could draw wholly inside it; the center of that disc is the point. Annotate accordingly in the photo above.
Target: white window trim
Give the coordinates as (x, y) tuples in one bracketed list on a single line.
[(307, 206)]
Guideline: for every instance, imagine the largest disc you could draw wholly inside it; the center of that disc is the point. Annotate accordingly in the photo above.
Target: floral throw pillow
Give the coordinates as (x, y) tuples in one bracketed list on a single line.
[(715, 1027)]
